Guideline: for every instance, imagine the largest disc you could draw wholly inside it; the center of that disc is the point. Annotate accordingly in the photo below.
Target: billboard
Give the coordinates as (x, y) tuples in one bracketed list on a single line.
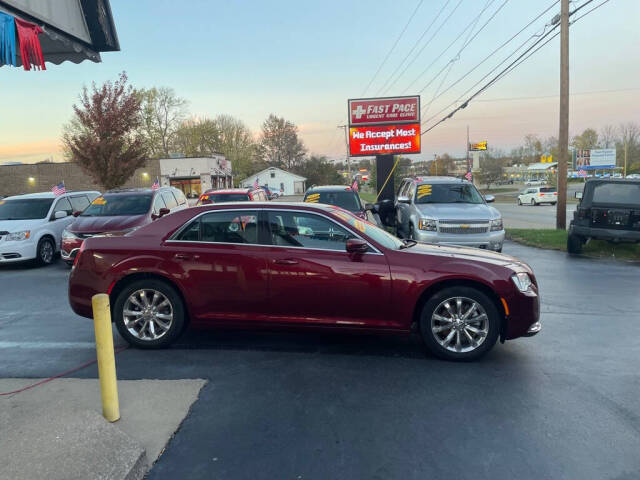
[(474, 147), (384, 110), (591, 159), (384, 126), (384, 140)]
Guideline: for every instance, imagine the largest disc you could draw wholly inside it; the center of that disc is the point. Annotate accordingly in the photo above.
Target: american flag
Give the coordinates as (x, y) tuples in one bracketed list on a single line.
[(256, 185), (468, 176), (156, 184), (59, 189), (582, 173), (354, 185)]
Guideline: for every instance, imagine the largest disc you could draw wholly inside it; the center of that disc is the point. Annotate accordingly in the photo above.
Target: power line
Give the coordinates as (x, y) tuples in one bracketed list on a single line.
[(417, 42), (513, 65), (537, 97), (457, 57), (393, 46), (425, 45), (496, 51)]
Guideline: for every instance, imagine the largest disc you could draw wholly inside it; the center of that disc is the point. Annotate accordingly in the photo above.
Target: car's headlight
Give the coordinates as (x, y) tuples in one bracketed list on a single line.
[(522, 281), (24, 235), (496, 225), (67, 235), (427, 224)]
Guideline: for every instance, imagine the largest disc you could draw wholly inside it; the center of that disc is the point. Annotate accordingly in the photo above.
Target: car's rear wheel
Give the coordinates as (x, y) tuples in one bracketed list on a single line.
[(459, 323), (519, 202), (574, 244), (149, 314), (533, 202), (46, 251)]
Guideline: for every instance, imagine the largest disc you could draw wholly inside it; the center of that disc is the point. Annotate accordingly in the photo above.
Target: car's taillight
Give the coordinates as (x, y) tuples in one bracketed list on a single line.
[(77, 257), (583, 213)]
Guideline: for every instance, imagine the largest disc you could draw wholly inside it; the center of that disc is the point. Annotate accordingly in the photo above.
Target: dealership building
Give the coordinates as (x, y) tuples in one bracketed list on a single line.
[(191, 175)]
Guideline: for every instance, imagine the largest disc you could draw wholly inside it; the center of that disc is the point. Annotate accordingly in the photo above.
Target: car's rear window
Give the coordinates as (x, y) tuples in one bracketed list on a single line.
[(347, 199), (224, 197), (619, 193), (548, 190), (119, 204)]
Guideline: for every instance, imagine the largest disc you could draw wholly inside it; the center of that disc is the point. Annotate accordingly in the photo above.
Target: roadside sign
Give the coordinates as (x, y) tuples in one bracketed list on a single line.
[(384, 140), (384, 110), (478, 146)]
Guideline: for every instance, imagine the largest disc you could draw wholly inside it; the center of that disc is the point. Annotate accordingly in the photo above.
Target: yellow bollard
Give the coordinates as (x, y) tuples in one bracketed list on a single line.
[(106, 357)]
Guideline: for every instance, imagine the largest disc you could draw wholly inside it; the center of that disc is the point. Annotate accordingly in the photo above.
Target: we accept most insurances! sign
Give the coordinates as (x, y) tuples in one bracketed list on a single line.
[(382, 126)]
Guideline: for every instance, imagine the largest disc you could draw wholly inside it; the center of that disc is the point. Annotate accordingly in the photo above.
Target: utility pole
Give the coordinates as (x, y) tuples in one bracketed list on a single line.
[(346, 143), (469, 169), (626, 149), (563, 136), (435, 161)]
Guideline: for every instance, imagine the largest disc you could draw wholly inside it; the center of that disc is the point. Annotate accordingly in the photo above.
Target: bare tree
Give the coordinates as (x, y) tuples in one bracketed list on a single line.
[(103, 137), (629, 135), (608, 136), (162, 113), (279, 143)]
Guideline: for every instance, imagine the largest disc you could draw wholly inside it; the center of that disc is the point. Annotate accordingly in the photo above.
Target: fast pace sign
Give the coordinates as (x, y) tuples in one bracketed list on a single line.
[(384, 126)]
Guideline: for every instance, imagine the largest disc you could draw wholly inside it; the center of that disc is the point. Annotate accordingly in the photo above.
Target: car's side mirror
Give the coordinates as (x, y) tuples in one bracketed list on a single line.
[(371, 207), (489, 198), (76, 213), (403, 199), (161, 213), (579, 195), (59, 214), (357, 245)]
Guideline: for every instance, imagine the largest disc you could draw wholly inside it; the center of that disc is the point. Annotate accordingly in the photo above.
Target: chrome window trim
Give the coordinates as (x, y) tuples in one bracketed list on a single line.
[(184, 226)]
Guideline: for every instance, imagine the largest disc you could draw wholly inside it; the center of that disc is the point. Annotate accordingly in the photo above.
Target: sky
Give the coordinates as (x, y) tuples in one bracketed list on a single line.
[(303, 60)]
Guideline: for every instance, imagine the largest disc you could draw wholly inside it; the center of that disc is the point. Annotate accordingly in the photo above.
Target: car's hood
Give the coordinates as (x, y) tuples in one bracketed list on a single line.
[(469, 253), (19, 225), (107, 224), (458, 211)]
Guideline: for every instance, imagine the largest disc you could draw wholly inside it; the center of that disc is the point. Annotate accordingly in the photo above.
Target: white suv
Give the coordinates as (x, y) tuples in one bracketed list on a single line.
[(537, 195), (31, 225)]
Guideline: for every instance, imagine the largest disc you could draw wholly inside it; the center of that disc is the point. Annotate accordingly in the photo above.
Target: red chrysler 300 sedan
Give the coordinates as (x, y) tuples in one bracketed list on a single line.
[(262, 264)]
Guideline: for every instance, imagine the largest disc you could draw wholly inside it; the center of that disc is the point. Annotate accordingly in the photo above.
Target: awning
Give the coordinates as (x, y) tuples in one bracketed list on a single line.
[(73, 30), (541, 166)]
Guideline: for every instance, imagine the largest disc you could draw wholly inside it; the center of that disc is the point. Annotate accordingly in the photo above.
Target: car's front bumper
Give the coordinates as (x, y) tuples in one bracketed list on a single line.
[(69, 248), (522, 314), (604, 233), (489, 241), (17, 251)]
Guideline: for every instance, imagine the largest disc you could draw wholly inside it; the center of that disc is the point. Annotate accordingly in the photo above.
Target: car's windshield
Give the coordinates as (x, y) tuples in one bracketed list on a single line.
[(348, 199), (447, 193), (119, 204), (619, 193), (25, 208), (224, 197), (369, 229)]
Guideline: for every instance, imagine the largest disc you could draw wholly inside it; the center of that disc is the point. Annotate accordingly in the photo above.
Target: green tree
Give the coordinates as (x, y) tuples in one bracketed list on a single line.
[(279, 143), (319, 171), (103, 137), (162, 114), (586, 140)]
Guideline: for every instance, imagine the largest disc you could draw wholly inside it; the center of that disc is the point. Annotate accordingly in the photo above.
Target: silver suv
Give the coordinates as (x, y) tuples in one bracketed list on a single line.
[(447, 210)]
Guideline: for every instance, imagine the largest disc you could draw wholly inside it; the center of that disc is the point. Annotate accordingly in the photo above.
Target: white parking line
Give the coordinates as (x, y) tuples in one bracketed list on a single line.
[(47, 345)]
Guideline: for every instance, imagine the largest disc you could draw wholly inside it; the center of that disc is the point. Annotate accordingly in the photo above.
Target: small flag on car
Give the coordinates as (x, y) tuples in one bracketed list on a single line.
[(354, 185), (156, 184), (468, 176), (59, 189), (256, 185)]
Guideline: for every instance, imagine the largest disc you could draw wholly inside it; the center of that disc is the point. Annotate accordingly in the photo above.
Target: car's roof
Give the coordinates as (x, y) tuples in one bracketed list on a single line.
[(49, 194), (430, 179), (329, 188), (230, 190), (270, 205), (133, 190)]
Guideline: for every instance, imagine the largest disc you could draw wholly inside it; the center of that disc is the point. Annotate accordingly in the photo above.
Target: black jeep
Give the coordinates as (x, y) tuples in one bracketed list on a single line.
[(609, 209)]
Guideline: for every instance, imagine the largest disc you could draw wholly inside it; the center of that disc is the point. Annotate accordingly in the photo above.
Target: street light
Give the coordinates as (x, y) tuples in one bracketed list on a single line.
[(32, 180)]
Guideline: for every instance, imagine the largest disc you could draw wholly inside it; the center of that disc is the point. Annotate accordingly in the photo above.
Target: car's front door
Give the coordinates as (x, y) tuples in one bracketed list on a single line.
[(58, 225), (313, 280), (223, 265)]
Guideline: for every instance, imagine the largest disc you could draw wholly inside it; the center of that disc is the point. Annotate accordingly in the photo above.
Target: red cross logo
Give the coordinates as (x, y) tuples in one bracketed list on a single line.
[(358, 112)]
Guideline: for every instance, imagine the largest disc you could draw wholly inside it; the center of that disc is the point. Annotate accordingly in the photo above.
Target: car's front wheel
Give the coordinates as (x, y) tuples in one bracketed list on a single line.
[(46, 251), (459, 323), (519, 202), (149, 314), (412, 232), (533, 202)]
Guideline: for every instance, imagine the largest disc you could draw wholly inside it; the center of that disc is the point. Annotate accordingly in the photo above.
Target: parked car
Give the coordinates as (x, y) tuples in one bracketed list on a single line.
[(119, 211), (534, 182), (447, 210), (537, 195), (633, 176), (31, 225), (608, 210), (341, 196), (232, 195), (271, 194), (256, 265)]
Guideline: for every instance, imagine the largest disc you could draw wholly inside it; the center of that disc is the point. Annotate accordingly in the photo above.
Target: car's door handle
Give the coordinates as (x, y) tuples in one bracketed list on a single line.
[(285, 261), (182, 256)]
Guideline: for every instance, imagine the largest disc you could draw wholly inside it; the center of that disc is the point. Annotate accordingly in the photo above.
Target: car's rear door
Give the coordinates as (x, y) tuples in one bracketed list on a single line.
[(313, 280), (223, 266)]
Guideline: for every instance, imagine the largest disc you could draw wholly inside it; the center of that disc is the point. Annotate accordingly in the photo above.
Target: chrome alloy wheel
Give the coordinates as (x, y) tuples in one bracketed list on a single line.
[(460, 324), (147, 314), (46, 252)]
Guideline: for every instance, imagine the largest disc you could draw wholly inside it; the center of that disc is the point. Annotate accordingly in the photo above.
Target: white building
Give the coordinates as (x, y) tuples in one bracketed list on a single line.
[(278, 180), (196, 175)]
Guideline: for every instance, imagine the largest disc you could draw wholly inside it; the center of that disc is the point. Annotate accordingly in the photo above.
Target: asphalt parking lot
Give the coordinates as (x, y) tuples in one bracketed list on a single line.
[(561, 405)]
